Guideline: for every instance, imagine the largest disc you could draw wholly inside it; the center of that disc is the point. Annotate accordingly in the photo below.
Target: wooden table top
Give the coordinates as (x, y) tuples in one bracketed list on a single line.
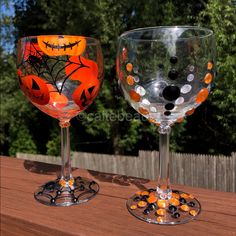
[(106, 214)]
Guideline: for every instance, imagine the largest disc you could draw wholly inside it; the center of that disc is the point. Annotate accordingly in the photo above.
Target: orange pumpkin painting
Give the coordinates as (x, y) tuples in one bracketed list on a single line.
[(35, 89), (82, 69), (59, 45)]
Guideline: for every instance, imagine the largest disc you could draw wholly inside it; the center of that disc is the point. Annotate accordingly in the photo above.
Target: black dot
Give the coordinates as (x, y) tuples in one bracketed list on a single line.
[(169, 106), (172, 208), (173, 60), (182, 200), (167, 113), (171, 92), (173, 74), (176, 215), (191, 204)]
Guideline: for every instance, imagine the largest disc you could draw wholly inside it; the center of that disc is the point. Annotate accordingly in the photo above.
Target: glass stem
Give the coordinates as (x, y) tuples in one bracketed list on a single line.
[(163, 185), (65, 151)]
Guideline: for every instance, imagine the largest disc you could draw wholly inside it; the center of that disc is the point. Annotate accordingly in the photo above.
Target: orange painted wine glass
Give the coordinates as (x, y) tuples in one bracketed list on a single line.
[(61, 75), (165, 73)]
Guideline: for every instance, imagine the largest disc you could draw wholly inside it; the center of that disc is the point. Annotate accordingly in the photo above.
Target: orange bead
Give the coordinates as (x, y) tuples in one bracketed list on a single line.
[(208, 78), (202, 95), (152, 194), (191, 196), (152, 120), (133, 207), (209, 65), (71, 182), (184, 195), (184, 207), (193, 212), (175, 195), (143, 111), (142, 204), (134, 96), (144, 193), (152, 199), (138, 192), (162, 203), (161, 212), (130, 80), (190, 112), (174, 201), (160, 219), (129, 67), (62, 182)]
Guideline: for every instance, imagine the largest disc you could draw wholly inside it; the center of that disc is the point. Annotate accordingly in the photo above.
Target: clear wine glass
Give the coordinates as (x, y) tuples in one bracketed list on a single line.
[(61, 75), (165, 73)]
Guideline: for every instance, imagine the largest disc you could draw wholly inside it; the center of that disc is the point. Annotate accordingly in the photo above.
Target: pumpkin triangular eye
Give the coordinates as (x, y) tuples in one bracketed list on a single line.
[(91, 89), (35, 85)]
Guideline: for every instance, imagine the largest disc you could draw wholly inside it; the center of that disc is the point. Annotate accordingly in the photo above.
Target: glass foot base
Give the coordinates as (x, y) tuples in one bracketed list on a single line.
[(54, 194), (180, 208)]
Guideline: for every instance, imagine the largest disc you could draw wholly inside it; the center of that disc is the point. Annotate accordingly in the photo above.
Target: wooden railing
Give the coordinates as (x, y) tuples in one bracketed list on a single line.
[(207, 171)]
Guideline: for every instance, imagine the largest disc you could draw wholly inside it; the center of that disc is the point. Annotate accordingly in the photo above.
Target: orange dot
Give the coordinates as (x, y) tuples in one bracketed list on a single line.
[(184, 207), (174, 201), (193, 212), (124, 54), (208, 78), (62, 182), (152, 194), (160, 219), (71, 182), (134, 96), (143, 111), (162, 203), (161, 212), (133, 207), (130, 80), (181, 119), (202, 95), (152, 199), (142, 204), (129, 67), (191, 196), (144, 193), (138, 193), (190, 112), (209, 65)]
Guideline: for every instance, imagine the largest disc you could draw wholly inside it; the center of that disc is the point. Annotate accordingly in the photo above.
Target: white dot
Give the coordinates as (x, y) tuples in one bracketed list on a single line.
[(153, 109), (135, 69), (136, 79), (179, 100), (145, 102), (140, 90), (190, 77), (186, 88), (191, 68)]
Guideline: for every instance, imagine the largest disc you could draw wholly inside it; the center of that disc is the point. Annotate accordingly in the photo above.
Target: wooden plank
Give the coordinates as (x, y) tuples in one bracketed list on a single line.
[(104, 215)]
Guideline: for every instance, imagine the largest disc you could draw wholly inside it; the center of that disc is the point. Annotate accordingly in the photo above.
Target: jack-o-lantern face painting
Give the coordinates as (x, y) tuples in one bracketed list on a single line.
[(84, 95), (35, 89), (59, 45)]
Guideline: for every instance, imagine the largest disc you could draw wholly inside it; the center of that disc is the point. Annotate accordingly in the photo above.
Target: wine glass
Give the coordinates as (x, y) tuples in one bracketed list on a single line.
[(61, 75), (165, 73)]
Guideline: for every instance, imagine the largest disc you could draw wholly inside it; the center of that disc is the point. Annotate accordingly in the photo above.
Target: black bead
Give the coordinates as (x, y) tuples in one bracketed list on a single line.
[(182, 200), (173, 74), (146, 211), (72, 191), (151, 190), (173, 60), (171, 92), (136, 199), (152, 206), (52, 200), (161, 66), (191, 204), (75, 199), (176, 215), (169, 106), (58, 192), (172, 208), (144, 198), (175, 191), (167, 113)]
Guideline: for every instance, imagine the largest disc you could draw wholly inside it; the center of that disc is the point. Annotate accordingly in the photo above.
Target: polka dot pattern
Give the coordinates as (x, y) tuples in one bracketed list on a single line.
[(202, 95), (186, 89)]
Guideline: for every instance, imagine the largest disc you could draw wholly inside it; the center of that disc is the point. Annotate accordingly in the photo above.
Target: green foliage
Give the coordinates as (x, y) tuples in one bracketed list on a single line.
[(54, 143)]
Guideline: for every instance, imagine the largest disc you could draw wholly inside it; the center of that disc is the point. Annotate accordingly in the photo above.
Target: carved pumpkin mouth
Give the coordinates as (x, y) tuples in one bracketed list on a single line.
[(58, 47)]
